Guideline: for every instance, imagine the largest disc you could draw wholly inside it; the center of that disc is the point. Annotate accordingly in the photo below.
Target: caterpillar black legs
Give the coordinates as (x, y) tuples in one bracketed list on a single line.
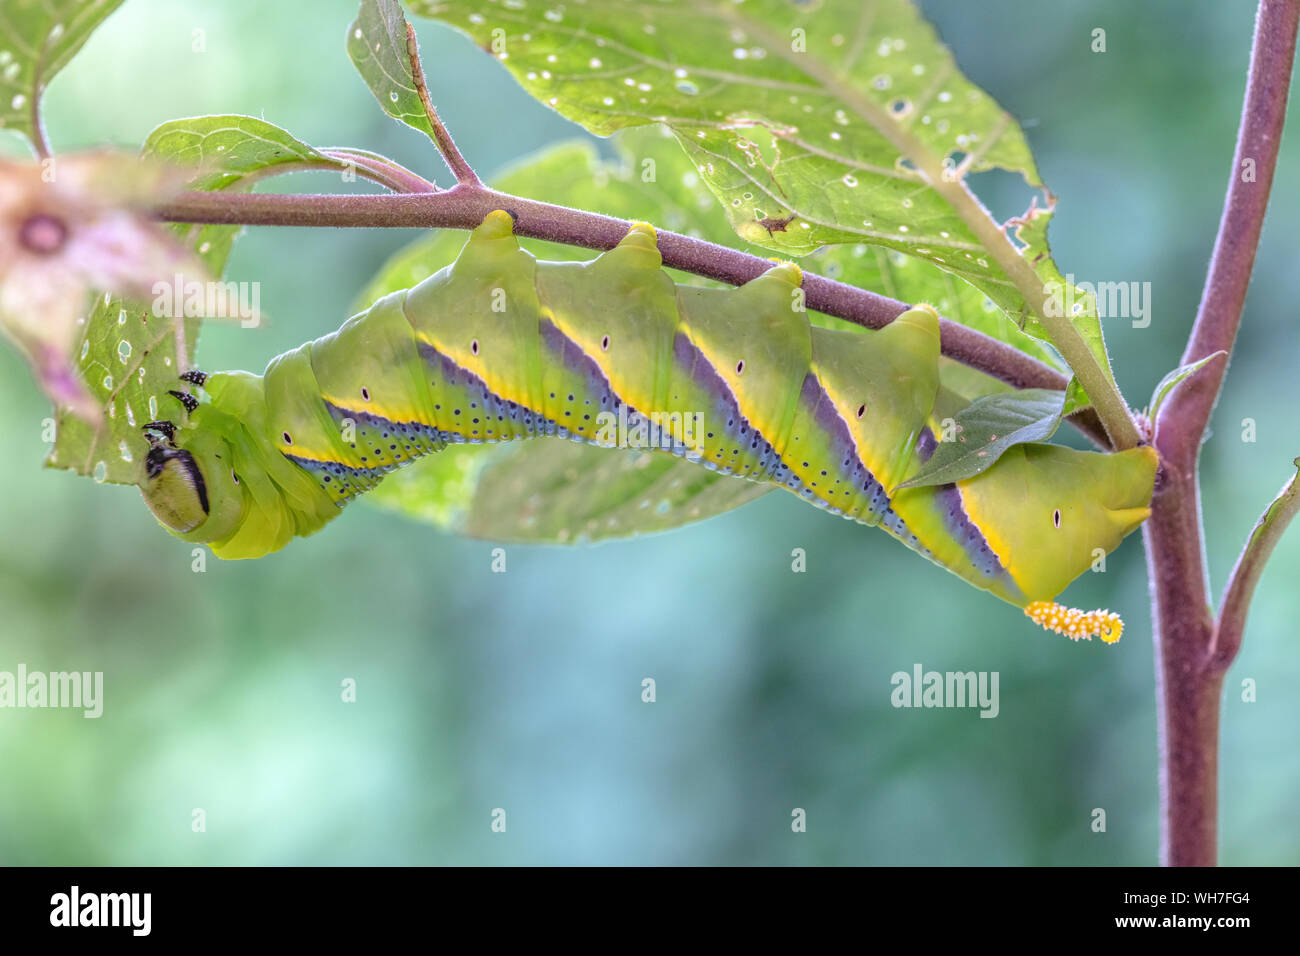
[(185, 398), (165, 431), (164, 428), (194, 377)]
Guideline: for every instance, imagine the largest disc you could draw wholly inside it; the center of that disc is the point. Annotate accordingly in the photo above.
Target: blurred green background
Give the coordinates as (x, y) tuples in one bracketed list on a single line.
[(522, 691)]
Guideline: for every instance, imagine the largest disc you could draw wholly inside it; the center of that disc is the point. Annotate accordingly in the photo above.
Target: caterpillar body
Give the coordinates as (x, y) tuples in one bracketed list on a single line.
[(500, 347)]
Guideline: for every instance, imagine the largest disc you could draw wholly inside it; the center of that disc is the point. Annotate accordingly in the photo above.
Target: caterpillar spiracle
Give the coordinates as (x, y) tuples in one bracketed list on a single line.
[(499, 346)]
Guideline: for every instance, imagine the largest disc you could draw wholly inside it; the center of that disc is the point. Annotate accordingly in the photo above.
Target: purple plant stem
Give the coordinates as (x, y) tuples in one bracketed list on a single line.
[(465, 205), (1189, 675)]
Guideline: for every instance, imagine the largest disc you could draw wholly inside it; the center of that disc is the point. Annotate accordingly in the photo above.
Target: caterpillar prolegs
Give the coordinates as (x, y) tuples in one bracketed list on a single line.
[(499, 346)]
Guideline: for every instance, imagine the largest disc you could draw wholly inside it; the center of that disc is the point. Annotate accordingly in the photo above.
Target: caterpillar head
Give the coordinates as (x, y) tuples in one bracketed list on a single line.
[(175, 489), (189, 483), (218, 480)]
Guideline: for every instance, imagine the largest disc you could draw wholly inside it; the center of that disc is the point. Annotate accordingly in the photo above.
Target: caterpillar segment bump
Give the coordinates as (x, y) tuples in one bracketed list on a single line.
[(501, 347)]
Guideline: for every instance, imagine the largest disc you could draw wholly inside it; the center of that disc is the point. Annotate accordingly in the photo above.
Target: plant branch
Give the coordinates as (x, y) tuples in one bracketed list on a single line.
[(1187, 412), (39, 142), (465, 175), (380, 169), (464, 206), (1189, 672), (1241, 583)]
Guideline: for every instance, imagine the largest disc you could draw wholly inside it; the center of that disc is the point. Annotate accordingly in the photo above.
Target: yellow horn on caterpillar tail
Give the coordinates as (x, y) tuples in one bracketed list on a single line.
[(1074, 623)]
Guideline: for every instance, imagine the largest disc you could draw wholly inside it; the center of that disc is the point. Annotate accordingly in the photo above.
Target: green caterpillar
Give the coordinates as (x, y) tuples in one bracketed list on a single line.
[(498, 346)]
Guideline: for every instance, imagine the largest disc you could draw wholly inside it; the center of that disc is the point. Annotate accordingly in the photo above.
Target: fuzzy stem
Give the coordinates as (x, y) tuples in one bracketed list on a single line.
[(380, 169), (464, 206), (1189, 674), (465, 174), (1096, 380)]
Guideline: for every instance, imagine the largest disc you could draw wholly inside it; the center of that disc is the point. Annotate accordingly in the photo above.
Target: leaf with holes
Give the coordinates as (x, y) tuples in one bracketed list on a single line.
[(1065, 299), (130, 357), (37, 39), (813, 124), (653, 180)]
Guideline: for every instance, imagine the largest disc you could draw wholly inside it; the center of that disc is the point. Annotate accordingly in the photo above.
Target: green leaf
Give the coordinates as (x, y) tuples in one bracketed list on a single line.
[(231, 151), (377, 47), (37, 39), (914, 280), (571, 497), (986, 429), (652, 179), (128, 360), (1031, 230), (1173, 380), (439, 489), (129, 357), (810, 122), (968, 383), (559, 492)]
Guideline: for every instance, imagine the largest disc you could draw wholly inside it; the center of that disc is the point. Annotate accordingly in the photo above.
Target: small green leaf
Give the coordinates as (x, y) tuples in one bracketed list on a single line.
[(231, 150), (986, 429), (1174, 379), (37, 39), (1076, 399), (129, 357), (377, 46)]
